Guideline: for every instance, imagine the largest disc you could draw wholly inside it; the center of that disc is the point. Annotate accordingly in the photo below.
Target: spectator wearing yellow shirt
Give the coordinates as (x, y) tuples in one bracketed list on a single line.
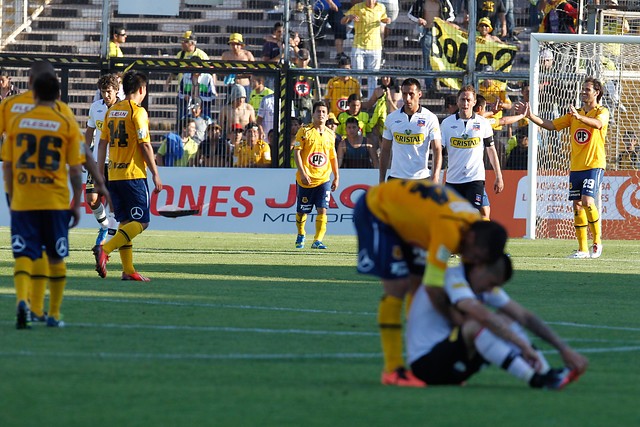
[(367, 42), (118, 36), (496, 96), (339, 89), (252, 152)]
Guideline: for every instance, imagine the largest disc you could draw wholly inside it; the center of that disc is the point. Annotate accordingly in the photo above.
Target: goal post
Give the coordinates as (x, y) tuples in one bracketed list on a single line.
[(559, 64)]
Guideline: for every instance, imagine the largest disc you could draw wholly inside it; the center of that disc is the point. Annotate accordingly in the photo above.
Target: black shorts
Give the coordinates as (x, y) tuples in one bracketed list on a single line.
[(447, 362), (90, 186), (472, 191)]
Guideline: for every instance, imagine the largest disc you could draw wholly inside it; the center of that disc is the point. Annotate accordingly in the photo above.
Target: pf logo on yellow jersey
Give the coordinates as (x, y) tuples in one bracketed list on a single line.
[(582, 136), (317, 160)]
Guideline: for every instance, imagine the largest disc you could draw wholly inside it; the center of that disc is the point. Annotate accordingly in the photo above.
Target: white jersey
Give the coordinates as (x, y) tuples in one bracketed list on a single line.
[(426, 326), (465, 144), (410, 142), (97, 111)]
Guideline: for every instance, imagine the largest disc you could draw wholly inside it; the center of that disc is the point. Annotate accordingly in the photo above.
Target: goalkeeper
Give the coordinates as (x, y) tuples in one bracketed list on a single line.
[(588, 129)]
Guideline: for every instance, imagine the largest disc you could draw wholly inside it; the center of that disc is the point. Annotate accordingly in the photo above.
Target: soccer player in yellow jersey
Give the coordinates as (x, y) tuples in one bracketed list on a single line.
[(10, 108), (126, 130), (314, 151), (396, 222), (588, 130), (40, 144)]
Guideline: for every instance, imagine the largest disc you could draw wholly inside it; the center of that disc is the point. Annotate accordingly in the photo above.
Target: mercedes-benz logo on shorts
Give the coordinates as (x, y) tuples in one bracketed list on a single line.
[(17, 243), (62, 247), (136, 212)]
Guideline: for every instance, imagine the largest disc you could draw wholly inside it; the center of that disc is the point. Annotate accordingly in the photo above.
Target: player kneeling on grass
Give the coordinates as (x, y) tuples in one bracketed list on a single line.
[(126, 131), (448, 349)]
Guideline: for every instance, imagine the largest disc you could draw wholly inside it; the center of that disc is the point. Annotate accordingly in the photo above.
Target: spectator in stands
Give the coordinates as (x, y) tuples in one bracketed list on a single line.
[(450, 104), (355, 110), (234, 139), (264, 117), (237, 52), (237, 111), (485, 29), (332, 123), (629, 158), (495, 11), (303, 88), (272, 47), (294, 45), (252, 152), (258, 92), (214, 151), (393, 9), (510, 23), (559, 16), (385, 100), (178, 150), (354, 151), (6, 87), (496, 95), (202, 122), (331, 11), (366, 53), (340, 87), (422, 13), (118, 36), (200, 86), (519, 157), (295, 127)]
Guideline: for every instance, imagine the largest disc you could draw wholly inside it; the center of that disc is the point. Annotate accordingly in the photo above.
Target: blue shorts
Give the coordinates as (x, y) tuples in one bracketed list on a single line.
[(381, 251), (130, 199), (309, 197), (585, 183), (31, 231)]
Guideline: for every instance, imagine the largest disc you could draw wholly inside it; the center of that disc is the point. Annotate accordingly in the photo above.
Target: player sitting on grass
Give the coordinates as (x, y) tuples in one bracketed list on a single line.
[(448, 349)]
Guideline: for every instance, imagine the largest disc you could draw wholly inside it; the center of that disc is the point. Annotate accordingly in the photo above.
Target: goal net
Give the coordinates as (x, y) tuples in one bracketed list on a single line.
[(559, 65)]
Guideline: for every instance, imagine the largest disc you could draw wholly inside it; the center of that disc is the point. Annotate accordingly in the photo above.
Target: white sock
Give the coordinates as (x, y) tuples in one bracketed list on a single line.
[(519, 330), (499, 352), (101, 215)]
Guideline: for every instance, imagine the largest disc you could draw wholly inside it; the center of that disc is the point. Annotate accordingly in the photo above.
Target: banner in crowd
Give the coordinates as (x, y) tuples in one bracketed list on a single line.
[(264, 201), (450, 46)]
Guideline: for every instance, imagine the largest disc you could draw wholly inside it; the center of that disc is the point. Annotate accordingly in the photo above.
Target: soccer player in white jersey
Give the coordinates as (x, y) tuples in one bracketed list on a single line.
[(108, 85), (448, 349), (408, 134), (466, 135)]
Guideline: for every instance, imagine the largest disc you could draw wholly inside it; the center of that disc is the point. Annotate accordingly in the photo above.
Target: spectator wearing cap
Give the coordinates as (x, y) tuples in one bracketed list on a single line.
[(339, 89), (237, 111), (495, 93), (303, 88), (252, 152), (258, 91), (118, 36), (202, 121), (366, 54), (237, 52), (332, 123), (178, 150), (484, 30), (496, 12)]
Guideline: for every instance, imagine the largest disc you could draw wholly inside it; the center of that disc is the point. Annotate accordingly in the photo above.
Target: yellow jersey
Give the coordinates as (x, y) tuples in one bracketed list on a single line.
[(246, 156), (40, 144), (426, 215), (23, 102), (367, 27), (316, 150), (587, 143), (126, 125), (338, 91), (496, 91)]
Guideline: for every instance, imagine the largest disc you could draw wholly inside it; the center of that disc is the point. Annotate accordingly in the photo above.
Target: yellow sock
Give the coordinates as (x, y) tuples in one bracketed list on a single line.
[(408, 299), (580, 222), (57, 282), (593, 216), (22, 277), (321, 226), (39, 277), (125, 234), (301, 220), (126, 256), (390, 324)]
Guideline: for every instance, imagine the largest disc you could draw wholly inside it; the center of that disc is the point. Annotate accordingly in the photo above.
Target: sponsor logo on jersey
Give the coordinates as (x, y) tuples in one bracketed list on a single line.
[(476, 126), (317, 159), (143, 133), (582, 136), (99, 124), (408, 138), (39, 124), (421, 122), (118, 114), (342, 104), (21, 108), (465, 142)]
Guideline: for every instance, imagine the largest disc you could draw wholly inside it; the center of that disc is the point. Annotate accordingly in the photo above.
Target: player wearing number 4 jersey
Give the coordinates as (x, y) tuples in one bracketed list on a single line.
[(588, 130), (315, 156), (126, 131)]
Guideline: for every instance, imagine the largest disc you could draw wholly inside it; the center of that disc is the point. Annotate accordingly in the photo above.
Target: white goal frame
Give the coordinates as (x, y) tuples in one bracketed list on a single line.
[(534, 73)]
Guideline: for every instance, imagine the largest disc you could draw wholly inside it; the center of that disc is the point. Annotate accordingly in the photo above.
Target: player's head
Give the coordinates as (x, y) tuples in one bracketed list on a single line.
[(39, 68), (108, 84), (481, 104), (595, 84), (485, 277), (411, 94), (483, 242), (46, 88), (466, 98), (133, 81), (320, 112)]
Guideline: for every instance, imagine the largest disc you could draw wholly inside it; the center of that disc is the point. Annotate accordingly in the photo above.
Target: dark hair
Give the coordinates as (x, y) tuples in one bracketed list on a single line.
[(450, 100), (481, 102), (507, 266), (352, 120), (46, 88), (116, 29), (319, 104), (344, 60), (597, 85), (490, 236), (133, 80), (411, 82), (354, 97), (277, 25), (108, 80), (39, 68), (522, 132)]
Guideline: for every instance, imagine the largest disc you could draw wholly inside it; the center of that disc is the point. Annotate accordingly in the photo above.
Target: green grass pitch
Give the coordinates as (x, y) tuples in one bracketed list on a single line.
[(245, 330)]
